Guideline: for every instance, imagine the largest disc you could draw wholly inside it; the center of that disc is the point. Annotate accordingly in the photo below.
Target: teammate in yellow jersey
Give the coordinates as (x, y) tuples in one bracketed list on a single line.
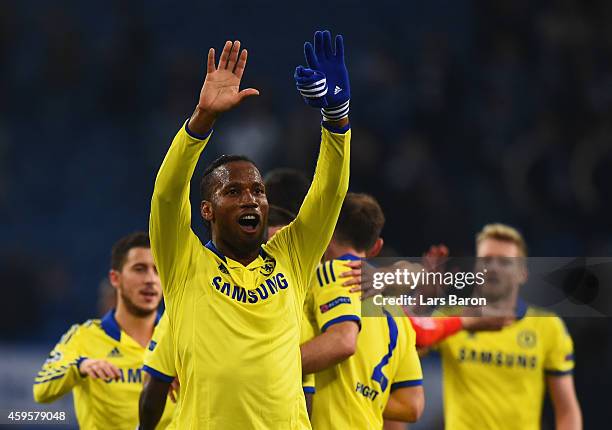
[(161, 381), (497, 380), (235, 305), (367, 368), (101, 360)]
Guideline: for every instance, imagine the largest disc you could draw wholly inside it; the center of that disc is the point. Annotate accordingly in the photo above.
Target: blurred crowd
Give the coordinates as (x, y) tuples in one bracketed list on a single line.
[(463, 112)]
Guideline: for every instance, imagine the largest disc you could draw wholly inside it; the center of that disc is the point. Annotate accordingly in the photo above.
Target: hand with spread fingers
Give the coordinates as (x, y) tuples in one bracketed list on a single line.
[(221, 90)]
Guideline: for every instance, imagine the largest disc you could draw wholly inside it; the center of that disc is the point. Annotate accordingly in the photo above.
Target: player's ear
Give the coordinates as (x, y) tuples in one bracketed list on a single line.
[(113, 277), (206, 210), (376, 248)]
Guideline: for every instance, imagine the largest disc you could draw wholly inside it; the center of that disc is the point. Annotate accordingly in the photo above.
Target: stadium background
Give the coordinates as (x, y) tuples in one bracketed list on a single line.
[(464, 112)]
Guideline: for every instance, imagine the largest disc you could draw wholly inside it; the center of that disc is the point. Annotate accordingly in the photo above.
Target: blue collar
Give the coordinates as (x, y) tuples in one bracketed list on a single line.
[(210, 245), (521, 308), (214, 249), (111, 326), (349, 256)]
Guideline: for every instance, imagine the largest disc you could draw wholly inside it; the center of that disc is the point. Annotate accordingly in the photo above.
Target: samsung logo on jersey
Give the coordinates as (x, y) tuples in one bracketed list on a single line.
[(267, 289), (130, 376), (498, 358)]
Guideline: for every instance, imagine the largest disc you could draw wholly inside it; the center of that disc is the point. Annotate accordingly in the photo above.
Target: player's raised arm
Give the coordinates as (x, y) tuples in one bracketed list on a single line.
[(170, 224), (323, 84)]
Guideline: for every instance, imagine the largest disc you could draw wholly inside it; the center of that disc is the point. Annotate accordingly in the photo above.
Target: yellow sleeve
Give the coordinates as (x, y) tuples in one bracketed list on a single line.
[(334, 303), (409, 372), (172, 240), (559, 358), (307, 237), (60, 371), (159, 356), (308, 332)]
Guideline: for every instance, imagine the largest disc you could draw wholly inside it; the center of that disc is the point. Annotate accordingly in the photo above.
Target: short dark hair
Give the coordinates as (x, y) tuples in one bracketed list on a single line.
[(286, 188), (360, 222), (278, 216), (206, 183), (138, 239)]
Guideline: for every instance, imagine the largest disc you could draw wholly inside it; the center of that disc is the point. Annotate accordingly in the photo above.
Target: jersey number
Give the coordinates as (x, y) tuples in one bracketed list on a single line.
[(377, 374)]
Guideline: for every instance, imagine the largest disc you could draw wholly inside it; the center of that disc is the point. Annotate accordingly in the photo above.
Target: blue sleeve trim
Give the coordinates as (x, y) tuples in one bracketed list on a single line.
[(559, 372), (340, 319), (195, 135), (79, 361), (336, 130), (309, 390), (319, 277), (569, 357), (331, 271), (404, 384), (324, 273), (157, 374)]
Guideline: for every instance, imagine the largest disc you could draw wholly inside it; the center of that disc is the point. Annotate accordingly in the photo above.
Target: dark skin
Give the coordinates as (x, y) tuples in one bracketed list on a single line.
[(239, 191), (220, 93), (152, 403)]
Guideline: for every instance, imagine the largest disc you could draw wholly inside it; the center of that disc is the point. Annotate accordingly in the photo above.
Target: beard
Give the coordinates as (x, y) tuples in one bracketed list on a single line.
[(133, 308)]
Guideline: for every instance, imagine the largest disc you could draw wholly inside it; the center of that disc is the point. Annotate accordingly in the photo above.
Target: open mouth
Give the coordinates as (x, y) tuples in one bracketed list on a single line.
[(249, 222)]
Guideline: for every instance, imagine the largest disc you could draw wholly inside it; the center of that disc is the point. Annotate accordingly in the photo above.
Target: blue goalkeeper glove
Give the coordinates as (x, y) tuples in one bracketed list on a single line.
[(325, 83)]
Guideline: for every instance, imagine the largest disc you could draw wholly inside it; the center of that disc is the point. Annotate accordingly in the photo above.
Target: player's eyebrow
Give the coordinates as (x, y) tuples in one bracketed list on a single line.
[(232, 184), (246, 183)]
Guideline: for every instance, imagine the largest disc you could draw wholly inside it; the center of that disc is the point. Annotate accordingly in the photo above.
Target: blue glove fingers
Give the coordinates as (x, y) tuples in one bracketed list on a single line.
[(339, 47), (318, 44), (302, 73), (311, 58), (327, 45)]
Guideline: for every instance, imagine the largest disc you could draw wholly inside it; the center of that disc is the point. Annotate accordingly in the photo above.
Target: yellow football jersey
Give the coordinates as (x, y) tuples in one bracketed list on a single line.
[(99, 404), (237, 328), (353, 394), (496, 380)]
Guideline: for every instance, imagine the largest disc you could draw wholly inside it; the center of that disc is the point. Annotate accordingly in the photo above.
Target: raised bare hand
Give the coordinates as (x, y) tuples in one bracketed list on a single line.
[(221, 89)]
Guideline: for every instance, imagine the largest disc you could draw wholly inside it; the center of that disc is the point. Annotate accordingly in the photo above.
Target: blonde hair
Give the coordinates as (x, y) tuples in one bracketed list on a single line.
[(504, 233)]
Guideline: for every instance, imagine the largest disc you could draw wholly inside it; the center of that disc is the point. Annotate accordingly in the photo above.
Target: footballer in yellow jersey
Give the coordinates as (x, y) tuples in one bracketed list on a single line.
[(98, 360), (235, 305), (381, 374), (497, 380)]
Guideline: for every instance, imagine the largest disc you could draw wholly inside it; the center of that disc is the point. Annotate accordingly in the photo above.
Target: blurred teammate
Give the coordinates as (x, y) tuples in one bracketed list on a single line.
[(101, 360), (286, 188), (235, 306), (497, 380), (366, 368)]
